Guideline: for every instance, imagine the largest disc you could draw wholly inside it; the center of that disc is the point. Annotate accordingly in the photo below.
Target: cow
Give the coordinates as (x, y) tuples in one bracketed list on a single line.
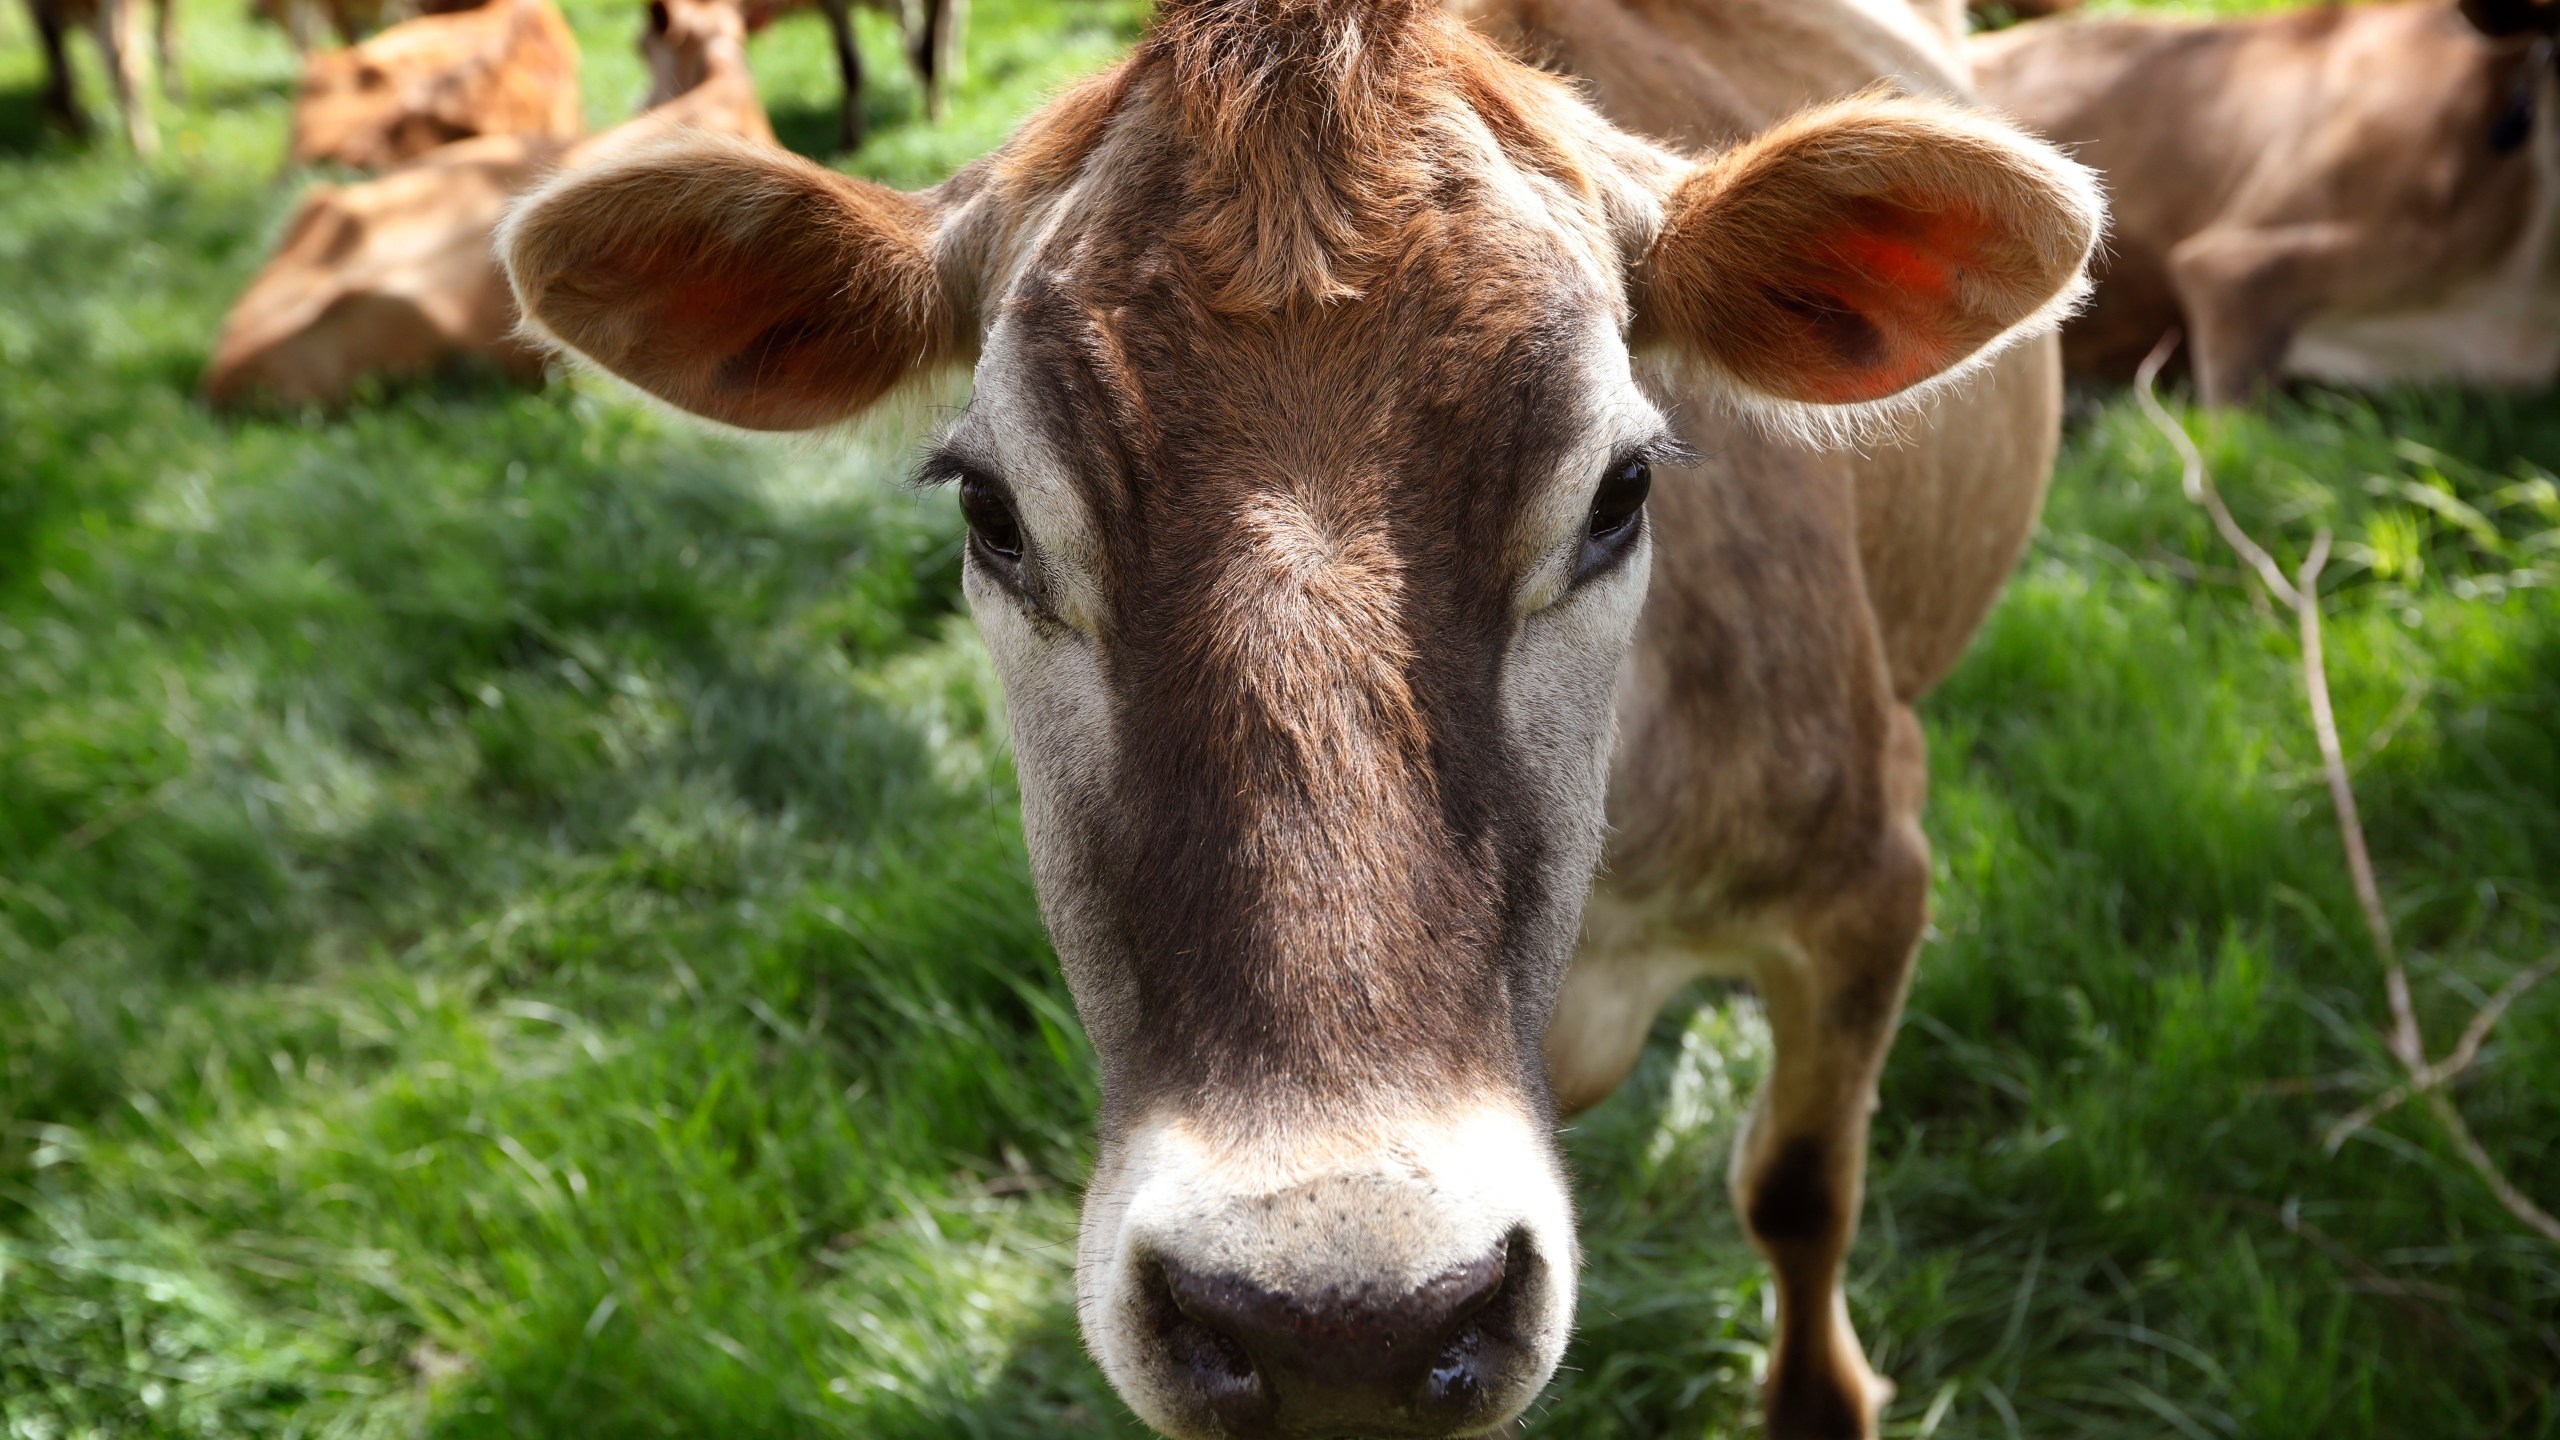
[(2358, 195), (393, 278), (509, 67), (1396, 482), (117, 26), (932, 29)]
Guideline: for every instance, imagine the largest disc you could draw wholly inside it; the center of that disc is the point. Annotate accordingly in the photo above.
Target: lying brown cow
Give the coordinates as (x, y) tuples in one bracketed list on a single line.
[(394, 278), (117, 24), (2358, 195), (509, 67)]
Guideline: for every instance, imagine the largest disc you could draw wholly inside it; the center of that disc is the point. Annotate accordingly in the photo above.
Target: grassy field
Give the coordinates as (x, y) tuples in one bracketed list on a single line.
[(513, 918)]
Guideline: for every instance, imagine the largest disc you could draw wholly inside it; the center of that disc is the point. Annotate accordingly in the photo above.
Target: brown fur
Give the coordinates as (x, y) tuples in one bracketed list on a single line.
[(1044, 157), (2276, 175), (509, 67), (1310, 126), (1297, 296)]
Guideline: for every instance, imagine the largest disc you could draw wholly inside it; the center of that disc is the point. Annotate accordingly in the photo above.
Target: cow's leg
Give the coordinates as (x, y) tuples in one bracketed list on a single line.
[(848, 61), (120, 41), (172, 83), (936, 42), (61, 94), (2245, 292), (1833, 988)]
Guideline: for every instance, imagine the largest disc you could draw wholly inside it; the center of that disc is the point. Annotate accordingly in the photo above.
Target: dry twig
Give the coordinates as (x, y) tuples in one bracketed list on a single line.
[(2301, 593)]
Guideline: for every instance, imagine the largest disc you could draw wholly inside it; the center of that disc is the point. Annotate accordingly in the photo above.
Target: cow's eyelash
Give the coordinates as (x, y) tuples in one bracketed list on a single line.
[(1663, 447), (945, 465)]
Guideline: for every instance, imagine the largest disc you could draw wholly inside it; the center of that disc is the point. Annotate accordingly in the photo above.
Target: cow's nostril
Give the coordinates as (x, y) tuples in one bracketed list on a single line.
[(1207, 1360), (1406, 1359), (1453, 1380), (1457, 1378)]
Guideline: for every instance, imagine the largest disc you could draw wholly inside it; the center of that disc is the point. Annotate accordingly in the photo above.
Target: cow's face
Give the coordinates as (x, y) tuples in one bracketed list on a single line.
[(1308, 621), (351, 107), (1305, 478)]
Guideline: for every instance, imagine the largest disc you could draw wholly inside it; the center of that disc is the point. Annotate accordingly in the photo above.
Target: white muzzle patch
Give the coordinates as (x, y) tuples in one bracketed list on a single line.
[(1399, 1278)]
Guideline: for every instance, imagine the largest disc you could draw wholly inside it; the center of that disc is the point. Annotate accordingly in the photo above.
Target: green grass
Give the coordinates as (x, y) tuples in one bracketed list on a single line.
[(513, 917)]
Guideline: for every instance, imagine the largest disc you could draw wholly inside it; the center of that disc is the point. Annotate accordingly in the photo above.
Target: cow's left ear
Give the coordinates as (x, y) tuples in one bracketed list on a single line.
[(735, 280), (1861, 249)]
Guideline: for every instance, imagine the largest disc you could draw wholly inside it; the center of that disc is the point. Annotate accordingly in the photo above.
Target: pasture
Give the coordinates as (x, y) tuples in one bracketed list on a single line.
[(513, 915)]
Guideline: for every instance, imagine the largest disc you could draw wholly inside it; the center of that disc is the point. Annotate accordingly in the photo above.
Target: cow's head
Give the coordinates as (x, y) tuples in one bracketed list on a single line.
[(435, 79), (1305, 478), (356, 108)]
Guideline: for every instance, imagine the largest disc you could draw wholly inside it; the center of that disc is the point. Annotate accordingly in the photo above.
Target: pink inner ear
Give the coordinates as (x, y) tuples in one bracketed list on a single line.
[(1878, 302)]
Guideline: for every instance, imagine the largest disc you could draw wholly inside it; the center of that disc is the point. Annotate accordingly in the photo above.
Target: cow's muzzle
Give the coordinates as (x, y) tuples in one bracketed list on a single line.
[(1422, 1291)]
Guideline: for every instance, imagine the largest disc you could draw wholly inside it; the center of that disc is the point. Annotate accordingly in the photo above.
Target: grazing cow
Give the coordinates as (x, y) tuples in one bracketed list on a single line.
[(509, 67), (117, 25), (1322, 446), (394, 277), (933, 33), (2360, 195)]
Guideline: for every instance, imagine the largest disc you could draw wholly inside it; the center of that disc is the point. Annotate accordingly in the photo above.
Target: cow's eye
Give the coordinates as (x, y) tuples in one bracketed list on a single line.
[(1617, 516), (993, 527)]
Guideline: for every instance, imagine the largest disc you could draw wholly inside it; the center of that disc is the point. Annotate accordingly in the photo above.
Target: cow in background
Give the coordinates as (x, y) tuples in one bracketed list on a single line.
[(509, 67), (2359, 195), (393, 278), (117, 25)]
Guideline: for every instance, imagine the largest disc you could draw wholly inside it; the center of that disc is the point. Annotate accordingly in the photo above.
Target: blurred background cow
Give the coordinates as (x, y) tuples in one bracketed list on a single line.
[(506, 67), (393, 278), (2355, 194)]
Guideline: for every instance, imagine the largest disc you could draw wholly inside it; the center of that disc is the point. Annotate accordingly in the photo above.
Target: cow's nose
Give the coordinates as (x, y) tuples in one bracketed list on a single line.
[(1420, 1360)]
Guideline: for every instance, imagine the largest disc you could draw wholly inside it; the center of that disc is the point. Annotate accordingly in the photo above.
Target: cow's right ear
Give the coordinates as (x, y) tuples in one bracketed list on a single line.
[(739, 282)]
